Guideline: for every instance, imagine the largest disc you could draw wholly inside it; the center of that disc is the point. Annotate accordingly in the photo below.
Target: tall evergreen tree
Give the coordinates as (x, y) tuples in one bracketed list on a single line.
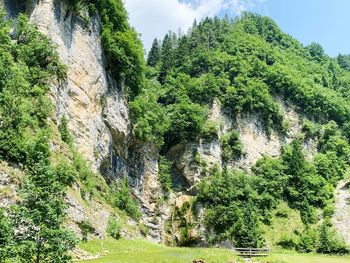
[(167, 56), (154, 54), (38, 218)]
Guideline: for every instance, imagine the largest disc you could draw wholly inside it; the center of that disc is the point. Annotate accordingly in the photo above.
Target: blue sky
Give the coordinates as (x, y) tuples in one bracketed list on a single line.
[(323, 21)]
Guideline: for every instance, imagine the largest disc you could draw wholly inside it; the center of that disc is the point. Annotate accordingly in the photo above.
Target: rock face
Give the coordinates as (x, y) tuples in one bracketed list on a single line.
[(96, 110), (98, 117), (190, 158), (10, 178), (79, 99), (341, 218)]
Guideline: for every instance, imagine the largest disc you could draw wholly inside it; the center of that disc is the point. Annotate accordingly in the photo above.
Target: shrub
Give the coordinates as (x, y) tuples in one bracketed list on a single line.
[(124, 200), (287, 241), (64, 131), (307, 241), (113, 228), (86, 228), (231, 211), (65, 173), (164, 175), (209, 130), (231, 146), (329, 240), (6, 236)]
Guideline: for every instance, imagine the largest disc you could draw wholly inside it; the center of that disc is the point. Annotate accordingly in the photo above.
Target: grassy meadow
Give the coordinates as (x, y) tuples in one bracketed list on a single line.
[(141, 251)]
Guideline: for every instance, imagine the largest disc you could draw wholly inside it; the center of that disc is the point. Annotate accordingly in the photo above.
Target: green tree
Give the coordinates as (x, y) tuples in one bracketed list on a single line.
[(166, 56), (329, 240), (6, 236), (316, 52), (39, 218), (154, 54), (164, 175), (113, 228)]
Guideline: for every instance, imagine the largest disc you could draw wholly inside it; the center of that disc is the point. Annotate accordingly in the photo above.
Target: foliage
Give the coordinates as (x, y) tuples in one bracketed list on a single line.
[(209, 130), (122, 45), (330, 241), (28, 63), (124, 200), (307, 241), (86, 228), (150, 119), (246, 63), (64, 131), (164, 175), (231, 210), (153, 57), (231, 146), (39, 218), (6, 236)]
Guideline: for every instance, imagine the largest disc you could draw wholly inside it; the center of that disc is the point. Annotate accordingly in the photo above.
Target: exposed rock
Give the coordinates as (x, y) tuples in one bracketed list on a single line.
[(341, 217), (80, 255), (98, 118), (79, 99), (80, 210), (9, 181)]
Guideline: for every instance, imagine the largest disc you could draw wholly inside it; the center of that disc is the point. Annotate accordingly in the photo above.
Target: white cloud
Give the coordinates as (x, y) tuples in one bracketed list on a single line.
[(154, 18)]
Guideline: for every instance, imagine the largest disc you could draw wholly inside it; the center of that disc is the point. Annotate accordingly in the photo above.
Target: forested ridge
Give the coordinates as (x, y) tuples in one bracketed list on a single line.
[(247, 64)]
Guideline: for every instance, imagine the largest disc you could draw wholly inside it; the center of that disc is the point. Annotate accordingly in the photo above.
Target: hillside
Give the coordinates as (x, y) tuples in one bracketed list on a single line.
[(223, 136)]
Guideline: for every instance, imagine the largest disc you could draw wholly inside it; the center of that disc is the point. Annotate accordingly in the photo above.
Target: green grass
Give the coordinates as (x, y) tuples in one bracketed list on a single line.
[(142, 251), (293, 257)]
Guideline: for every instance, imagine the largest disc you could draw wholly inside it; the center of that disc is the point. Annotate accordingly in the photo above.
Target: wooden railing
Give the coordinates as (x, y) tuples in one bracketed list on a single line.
[(252, 252)]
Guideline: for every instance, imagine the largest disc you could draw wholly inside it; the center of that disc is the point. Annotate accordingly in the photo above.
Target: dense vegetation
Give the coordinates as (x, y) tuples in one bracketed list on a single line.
[(247, 64), (238, 203), (32, 230), (244, 64)]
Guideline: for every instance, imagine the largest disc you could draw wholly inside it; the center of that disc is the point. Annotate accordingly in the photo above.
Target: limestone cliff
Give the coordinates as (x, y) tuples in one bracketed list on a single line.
[(96, 110), (98, 117)]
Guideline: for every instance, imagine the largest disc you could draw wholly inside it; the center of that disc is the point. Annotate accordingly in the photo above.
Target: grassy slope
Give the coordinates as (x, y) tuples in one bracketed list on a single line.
[(145, 252)]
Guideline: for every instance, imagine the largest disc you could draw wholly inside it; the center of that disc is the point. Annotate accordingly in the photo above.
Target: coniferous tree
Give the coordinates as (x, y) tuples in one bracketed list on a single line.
[(154, 54), (344, 61), (38, 218), (166, 56)]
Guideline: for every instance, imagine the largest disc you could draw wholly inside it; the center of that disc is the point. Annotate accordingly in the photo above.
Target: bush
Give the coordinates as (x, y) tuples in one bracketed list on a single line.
[(164, 175), (113, 228), (86, 228), (231, 146), (330, 241), (307, 241), (124, 200), (150, 119), (65, 173), (287, 242), (64, 131), (6, 236), (209, 130)]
